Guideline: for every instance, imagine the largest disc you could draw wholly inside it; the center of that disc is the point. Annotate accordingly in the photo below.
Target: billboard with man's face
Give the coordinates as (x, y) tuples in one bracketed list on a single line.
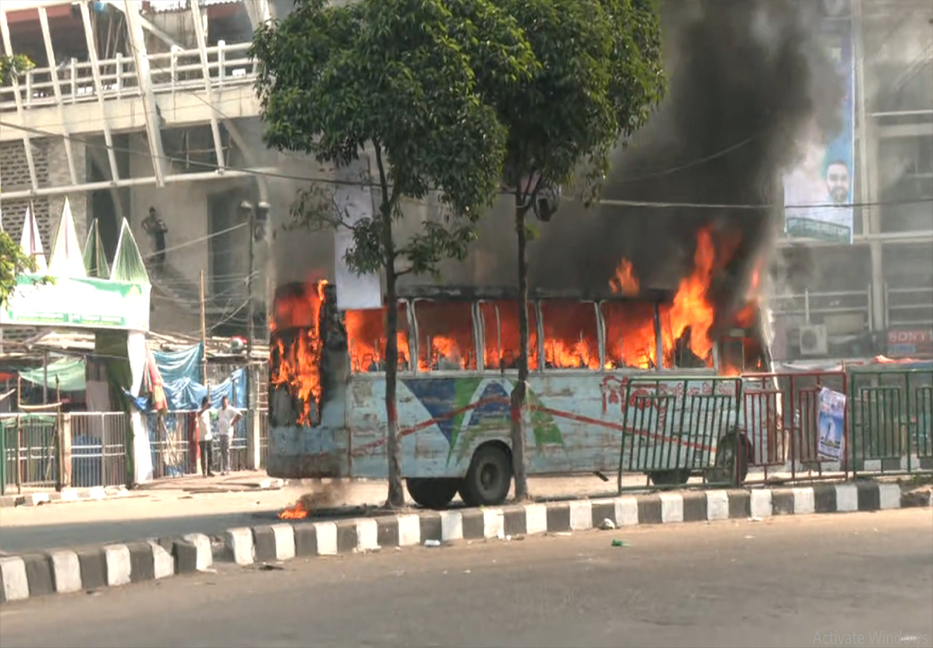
[(818, 191)]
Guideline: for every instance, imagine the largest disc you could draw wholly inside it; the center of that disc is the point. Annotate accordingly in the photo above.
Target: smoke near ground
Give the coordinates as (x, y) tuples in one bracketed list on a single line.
[(326, 495)]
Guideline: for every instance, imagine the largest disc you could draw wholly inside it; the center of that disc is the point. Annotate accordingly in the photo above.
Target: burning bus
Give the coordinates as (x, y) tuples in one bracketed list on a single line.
[(458, 349)]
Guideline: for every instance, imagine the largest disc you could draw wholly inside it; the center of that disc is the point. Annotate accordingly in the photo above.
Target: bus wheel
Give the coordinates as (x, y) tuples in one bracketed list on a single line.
[(669, 477), (432, 493), (732, 455), (489, 478)]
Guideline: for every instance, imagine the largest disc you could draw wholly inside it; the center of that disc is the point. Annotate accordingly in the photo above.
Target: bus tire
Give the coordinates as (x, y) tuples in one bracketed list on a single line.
[(489, 477), (669, 477), (732, 456), (432, 493)]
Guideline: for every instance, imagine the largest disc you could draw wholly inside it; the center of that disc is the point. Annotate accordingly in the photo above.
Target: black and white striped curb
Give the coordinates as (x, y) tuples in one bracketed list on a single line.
[(112, 565), (65, 495), (65, 571)]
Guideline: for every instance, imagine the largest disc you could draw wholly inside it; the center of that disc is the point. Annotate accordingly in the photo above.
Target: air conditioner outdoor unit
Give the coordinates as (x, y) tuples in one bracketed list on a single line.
[(813, 340)]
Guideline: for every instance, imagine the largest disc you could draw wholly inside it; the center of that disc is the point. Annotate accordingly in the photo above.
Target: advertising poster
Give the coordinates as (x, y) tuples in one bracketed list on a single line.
[(831, 422), (818, 191)]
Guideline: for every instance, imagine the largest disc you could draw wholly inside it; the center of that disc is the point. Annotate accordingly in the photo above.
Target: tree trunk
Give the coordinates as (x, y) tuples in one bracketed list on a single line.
[(519, 392), (393, 447)]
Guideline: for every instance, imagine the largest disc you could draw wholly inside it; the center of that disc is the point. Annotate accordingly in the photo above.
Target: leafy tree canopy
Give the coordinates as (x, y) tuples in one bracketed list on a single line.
[(13, 261), (598, 74), (399, 76), (13, 66)]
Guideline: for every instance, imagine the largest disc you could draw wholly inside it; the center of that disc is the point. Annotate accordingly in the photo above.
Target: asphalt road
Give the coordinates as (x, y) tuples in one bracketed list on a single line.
[(778, 582)]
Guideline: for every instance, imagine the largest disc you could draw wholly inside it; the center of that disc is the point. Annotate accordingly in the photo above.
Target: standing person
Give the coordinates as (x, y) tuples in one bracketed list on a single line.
[(206, 436), (156, 228), (227, 418)]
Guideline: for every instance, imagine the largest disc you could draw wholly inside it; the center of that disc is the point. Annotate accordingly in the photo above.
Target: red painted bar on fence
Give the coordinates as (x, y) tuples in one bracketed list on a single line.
[(781, 420)]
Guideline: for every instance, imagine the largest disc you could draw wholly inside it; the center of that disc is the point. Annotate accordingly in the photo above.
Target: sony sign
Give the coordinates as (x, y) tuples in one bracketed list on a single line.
[(902, 342)]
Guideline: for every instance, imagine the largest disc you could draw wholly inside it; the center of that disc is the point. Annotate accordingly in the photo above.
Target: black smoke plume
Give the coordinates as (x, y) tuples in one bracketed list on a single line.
[(745, 75)]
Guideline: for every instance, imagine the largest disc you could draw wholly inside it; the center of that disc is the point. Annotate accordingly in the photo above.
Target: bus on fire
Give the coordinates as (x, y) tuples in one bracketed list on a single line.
[(457, 356)]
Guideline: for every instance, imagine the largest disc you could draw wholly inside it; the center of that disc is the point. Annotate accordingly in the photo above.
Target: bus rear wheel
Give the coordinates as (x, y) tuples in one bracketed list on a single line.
[(432, 493), (489, 478), (733, 453)]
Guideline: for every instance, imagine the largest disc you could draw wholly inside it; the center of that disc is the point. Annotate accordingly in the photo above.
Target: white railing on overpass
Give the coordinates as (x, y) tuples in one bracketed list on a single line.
[(170, 72)]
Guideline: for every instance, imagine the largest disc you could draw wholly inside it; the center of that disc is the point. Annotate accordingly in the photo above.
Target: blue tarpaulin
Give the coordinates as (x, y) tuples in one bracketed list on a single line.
[(186, 394), (176, 365), (181, 376)]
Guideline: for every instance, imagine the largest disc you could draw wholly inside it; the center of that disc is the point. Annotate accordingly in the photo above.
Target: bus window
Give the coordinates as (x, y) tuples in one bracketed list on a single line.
[(630, 336), (570, 335), (681, 352), (366, 339), (732, 356), (445, 335), (500, 322)]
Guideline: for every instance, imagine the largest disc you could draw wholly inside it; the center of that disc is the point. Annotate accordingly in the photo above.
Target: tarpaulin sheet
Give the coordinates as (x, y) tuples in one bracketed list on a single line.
[(70, 374), (186, 394), (176, 365)]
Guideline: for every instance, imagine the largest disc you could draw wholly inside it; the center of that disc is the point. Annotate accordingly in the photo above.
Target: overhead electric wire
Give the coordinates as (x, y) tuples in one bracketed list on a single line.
[(602, 201)]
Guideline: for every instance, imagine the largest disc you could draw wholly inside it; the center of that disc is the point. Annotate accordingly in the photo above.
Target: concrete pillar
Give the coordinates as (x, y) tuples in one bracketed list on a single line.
[(253, 455), (64, 454), (867, 154)]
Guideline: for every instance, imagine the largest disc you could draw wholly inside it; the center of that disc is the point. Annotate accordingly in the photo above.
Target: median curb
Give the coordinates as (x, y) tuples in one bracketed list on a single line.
[(64, 571)]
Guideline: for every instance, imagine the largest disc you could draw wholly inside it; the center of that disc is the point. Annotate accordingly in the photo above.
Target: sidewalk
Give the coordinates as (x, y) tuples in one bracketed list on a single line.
[(239, 481)]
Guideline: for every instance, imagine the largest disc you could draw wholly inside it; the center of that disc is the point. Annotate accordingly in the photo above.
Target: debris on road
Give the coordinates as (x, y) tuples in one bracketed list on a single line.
[(607, 525), (620, 543), (432, 543)]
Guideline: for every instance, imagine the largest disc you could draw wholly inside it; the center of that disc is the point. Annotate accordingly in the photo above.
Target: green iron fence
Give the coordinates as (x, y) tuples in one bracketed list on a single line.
[(892, 420), (30, 452), (675, 427)]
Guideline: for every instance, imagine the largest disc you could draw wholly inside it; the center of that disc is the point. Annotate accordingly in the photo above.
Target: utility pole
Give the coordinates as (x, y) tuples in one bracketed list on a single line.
[(250, 314), (203, 330), (257, 216)]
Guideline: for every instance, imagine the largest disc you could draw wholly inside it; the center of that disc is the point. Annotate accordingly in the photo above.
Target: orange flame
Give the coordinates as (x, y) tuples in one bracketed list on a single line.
[(296, 512), (630, 330), (366, 339), (624, 281), (296, 346), (446, 329)]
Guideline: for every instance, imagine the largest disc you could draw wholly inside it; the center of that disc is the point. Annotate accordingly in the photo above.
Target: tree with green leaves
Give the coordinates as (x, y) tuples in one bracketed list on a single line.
[(598, 74), (396, 80), (13, 66), (13, 261)]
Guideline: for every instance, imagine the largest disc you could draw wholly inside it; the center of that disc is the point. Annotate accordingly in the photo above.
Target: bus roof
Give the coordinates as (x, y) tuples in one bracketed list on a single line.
[(508, 293)]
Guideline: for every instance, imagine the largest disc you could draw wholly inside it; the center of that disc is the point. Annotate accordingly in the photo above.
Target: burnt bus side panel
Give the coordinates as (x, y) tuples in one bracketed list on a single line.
[(321, 449)]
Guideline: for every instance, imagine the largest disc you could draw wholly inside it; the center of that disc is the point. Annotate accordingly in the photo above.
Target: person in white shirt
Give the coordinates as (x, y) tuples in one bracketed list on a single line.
[(227, 418), (205, 436)]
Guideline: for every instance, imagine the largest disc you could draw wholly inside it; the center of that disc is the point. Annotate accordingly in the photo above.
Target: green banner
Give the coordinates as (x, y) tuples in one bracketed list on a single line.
[(84, 303)]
